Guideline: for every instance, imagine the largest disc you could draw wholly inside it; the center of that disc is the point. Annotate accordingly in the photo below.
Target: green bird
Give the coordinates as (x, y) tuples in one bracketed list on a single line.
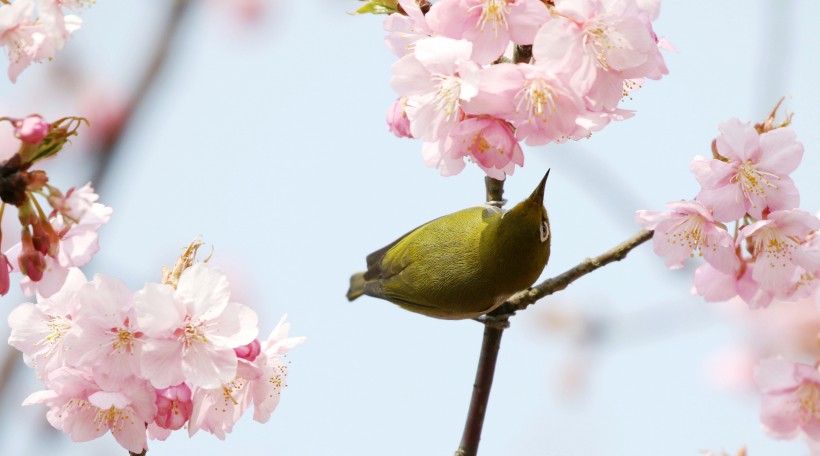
[(464, 264)]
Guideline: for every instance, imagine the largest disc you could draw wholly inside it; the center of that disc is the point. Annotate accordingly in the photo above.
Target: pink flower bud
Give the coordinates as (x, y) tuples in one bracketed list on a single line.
[(250, 351), (32, 129), (397, 121), (5, 268), (174, 406), (40, 238), (32, 263)]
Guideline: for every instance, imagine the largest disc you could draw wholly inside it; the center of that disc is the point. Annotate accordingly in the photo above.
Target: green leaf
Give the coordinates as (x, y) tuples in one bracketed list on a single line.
[(379, 7)]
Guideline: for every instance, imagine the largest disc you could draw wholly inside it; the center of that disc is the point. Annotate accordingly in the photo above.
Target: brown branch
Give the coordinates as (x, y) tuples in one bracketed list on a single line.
[(523, 299), (496, 321), (111, 144), (481, 390), (495, 189), (8, 366)]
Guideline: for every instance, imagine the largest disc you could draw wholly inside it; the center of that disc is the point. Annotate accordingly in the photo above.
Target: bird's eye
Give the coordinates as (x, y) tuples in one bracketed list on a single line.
[(545, 231)]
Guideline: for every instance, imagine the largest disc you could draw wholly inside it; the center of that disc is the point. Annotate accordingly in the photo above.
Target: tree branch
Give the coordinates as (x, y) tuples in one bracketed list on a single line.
[(523, 299), (496, 321), (164, 42), (481, 390)]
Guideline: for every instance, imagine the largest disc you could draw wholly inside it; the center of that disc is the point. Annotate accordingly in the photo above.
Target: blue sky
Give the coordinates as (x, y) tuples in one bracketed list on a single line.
[(270, 143)]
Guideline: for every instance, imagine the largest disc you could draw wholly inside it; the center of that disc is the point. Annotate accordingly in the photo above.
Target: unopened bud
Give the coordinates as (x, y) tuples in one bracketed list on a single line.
[(5, 269), (32, 129), (250, 351), (174, 406), (397, 121), (32, 263)]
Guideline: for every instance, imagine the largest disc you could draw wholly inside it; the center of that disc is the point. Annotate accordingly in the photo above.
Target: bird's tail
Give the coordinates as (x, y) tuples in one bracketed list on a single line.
[(357, 282)]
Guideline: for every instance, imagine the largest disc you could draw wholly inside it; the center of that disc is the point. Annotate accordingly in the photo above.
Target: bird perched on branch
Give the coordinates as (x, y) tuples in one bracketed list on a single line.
[(464, 264)]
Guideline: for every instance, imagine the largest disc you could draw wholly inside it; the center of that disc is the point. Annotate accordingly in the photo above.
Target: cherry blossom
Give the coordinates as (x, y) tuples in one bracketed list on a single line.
[(537, 103), (32, 40), (192, 331), (39, 330), (489, 142), (434, 157), (791, 398), (436, 78), (87, 405), (488, 24), (752, 174), (599, 44), (259, 383), (778, 250), (403, 30), (104, 329), (689, 226)]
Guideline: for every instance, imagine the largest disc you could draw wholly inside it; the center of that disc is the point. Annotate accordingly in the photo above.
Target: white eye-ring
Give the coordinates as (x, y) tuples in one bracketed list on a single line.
[(545, 231)]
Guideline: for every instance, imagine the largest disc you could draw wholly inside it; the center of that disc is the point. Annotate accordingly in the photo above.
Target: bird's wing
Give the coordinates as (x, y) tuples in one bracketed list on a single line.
[(374, 260), (380, 266)]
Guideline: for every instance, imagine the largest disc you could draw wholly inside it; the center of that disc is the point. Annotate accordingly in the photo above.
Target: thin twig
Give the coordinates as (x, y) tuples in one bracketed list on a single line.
[(8, 365), (523, 299), (164, 42)]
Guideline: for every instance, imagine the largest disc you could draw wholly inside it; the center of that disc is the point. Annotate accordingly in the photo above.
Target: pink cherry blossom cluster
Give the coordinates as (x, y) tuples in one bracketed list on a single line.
[(145, 364), (50, 243), (790, 406), (475, 77), (34, 37), (773, 252)]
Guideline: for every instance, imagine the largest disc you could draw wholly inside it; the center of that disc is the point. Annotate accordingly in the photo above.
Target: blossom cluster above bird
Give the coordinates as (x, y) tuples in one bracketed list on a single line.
[(476, 77)]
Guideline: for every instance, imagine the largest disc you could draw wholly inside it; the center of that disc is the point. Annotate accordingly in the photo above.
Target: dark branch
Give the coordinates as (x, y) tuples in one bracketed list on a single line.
[(523, 299), (164, 42), (495, 189), (481, 390)]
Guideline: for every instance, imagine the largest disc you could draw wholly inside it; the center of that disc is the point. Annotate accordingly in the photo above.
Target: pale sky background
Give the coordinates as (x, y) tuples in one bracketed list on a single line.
[(270, 143)]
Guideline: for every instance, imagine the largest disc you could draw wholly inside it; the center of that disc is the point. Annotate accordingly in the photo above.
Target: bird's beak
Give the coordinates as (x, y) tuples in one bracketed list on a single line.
[(538, 195)]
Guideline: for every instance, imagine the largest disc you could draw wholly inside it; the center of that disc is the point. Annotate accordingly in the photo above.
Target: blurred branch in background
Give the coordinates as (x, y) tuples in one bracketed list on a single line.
[(588, 334), (111, 144)]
